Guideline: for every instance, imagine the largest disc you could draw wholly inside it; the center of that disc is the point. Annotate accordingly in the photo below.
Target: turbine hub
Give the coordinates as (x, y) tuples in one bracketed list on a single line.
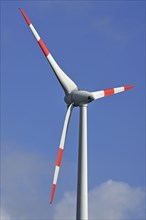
[(78, 97)]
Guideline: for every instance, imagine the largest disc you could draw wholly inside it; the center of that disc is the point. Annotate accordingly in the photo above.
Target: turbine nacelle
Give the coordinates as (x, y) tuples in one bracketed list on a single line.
[(79, 97)]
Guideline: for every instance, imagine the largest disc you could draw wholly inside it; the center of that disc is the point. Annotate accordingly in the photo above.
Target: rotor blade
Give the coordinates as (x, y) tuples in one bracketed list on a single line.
[(107, 92), (60, 150), (67, 84)]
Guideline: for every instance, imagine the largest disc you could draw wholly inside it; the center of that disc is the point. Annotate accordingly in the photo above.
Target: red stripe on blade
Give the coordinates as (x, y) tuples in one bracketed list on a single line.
[(25, 16), (59, 157), (43, 47), (108, 92), (52, 193), (128, 87)]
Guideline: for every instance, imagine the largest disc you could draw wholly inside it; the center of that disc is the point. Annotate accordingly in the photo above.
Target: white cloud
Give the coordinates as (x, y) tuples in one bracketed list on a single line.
[(116, 200), (25, 193), (110, 200), (65, 209), (4, 215), (24, 185)]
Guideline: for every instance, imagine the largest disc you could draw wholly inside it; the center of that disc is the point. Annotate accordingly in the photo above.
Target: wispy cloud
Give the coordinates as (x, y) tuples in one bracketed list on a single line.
[(4, 215), (73, 8), (110, 200), (25, 186), (107, 27)]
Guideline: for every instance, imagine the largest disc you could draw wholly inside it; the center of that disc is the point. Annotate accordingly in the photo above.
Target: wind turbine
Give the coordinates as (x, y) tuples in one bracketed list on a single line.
[(74, 97)]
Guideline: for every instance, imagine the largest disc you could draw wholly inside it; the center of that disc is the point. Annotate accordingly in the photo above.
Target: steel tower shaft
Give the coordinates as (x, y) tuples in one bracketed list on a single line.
[(82, 184)]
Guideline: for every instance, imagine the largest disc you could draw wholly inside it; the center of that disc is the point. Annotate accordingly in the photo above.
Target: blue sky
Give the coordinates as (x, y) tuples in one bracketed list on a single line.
[(100, 45)]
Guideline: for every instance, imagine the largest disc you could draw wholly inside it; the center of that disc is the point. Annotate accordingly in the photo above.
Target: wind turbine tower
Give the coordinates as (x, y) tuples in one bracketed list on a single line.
[(74, 97)]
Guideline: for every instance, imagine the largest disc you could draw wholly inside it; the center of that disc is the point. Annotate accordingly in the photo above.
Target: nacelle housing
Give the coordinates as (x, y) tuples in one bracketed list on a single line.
[(79, 97)]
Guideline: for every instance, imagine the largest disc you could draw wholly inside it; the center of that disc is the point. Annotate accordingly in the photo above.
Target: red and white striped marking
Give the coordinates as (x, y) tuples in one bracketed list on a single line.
[(57, 168), (60, 151), (67, 84), (36, 35), (107, 92), (43, 46)]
